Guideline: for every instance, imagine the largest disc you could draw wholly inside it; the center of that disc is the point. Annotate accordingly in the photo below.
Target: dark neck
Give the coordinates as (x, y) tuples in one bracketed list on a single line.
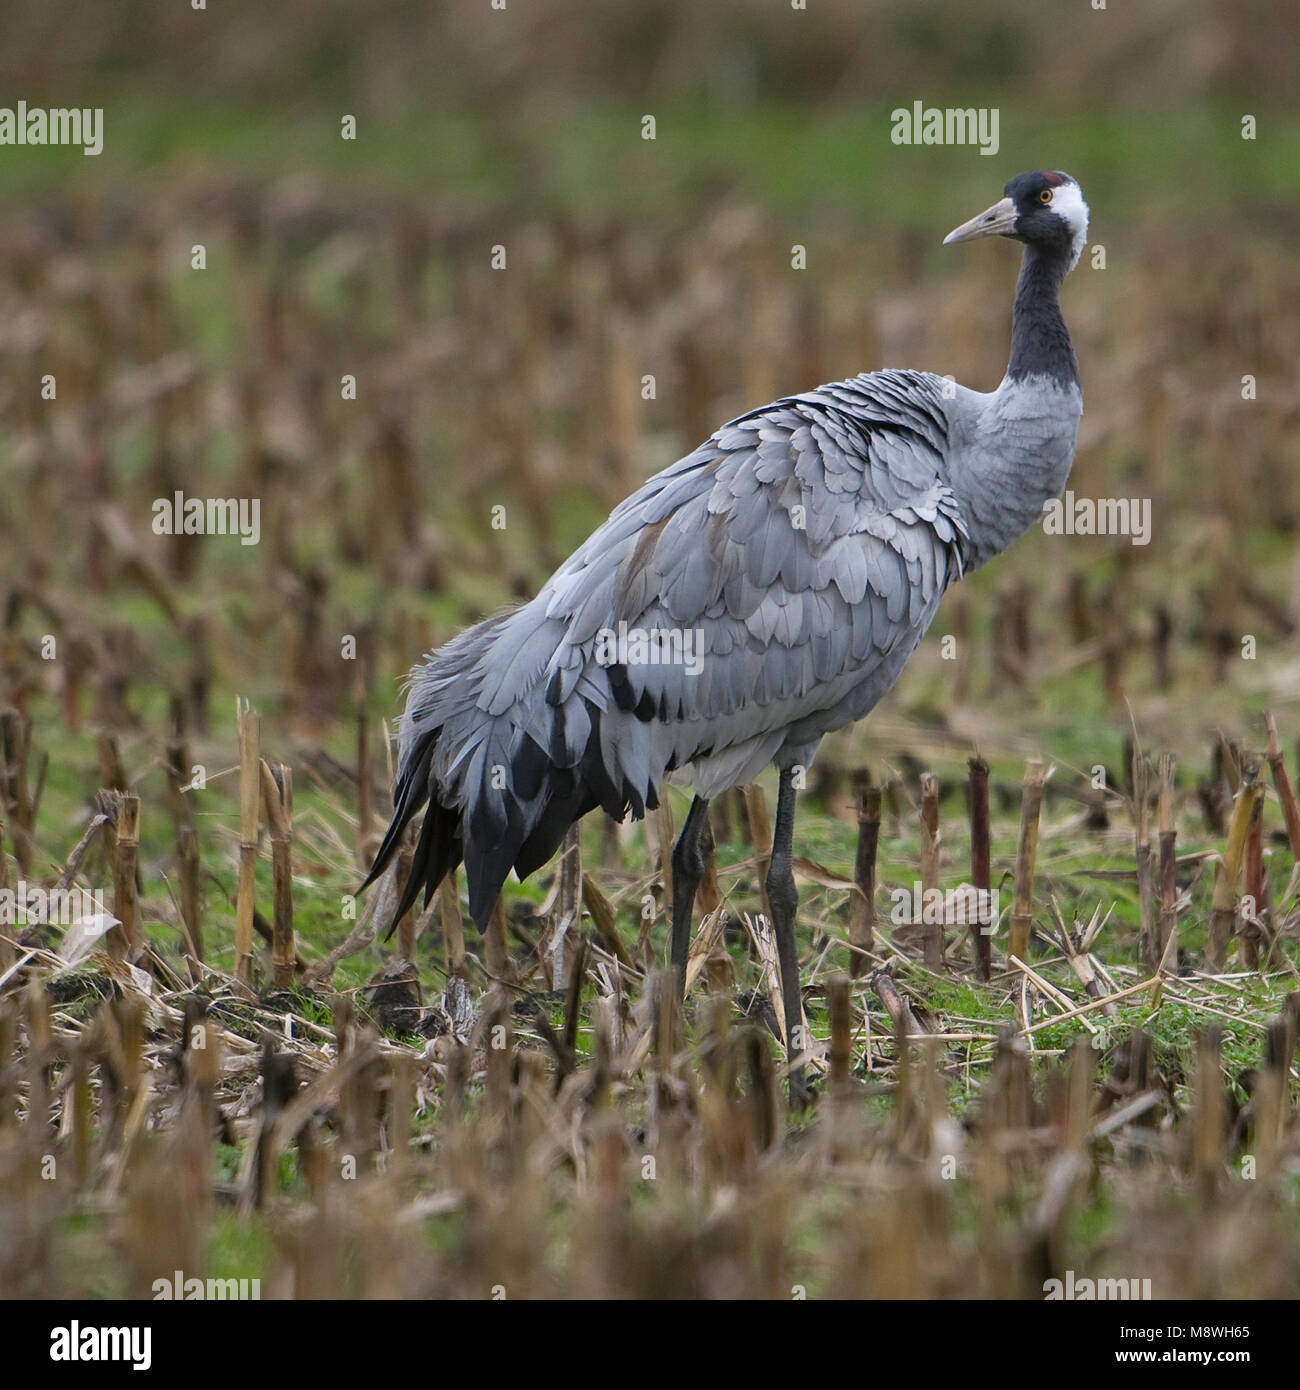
[(1040, 343)]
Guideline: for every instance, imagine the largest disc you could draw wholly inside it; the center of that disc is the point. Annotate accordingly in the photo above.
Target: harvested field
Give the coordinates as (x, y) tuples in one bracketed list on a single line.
[(280, 412)]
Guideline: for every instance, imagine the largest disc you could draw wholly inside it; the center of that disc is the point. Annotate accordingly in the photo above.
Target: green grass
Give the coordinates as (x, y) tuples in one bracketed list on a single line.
[(789, 158)]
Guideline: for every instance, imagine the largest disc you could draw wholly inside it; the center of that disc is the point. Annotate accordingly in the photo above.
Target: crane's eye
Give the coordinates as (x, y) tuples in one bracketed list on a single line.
[(1045, 195)]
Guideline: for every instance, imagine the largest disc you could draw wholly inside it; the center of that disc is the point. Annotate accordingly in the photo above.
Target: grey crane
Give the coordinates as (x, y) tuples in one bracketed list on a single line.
[(761, 592)]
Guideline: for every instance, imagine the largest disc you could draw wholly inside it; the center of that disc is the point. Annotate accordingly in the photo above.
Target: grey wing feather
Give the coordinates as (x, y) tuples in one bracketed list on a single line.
[(798, 547), (791, 565)]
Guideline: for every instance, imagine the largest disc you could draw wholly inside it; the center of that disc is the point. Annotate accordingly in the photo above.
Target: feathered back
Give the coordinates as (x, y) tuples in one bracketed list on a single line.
[(778, 578)]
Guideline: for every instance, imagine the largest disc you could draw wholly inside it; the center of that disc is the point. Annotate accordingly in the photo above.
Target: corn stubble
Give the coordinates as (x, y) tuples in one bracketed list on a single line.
[(556, 1124)]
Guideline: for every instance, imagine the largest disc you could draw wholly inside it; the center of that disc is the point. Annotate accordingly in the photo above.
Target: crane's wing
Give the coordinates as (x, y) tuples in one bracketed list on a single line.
[(788, 565), (763, 590)]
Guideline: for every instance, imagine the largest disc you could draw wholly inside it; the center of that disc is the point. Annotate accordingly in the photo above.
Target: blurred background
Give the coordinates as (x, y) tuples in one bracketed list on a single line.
[(190, 311), (626, 258)]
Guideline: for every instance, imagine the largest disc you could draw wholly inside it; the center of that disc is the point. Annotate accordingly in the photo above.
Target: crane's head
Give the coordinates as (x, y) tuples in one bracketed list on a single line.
[(1045, 210)]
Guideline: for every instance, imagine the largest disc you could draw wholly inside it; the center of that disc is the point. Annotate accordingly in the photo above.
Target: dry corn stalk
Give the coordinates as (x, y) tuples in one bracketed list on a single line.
[(277, 797), (248, 727), (932, 932), (1167, 953), (453, 929), (187, 847), (1141, 773), (126, 851), (1282, 785), (980, 858), (760, 836), (1036, 775), (1227, 872)]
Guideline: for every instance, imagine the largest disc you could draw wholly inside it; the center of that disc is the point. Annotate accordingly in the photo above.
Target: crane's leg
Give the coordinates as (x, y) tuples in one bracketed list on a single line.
[(783, 898), (688, 869)]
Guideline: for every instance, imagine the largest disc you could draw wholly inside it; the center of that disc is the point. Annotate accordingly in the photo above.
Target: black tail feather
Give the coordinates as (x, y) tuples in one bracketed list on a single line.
[(412, 793), (437, 852), (438, 849), (488, 848)]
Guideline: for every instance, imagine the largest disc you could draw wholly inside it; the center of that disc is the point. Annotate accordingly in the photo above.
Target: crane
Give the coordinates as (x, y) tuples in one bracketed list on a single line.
[(758, 594)]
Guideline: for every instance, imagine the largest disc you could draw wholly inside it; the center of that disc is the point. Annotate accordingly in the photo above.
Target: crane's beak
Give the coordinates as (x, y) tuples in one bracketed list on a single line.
[(999, 220)]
